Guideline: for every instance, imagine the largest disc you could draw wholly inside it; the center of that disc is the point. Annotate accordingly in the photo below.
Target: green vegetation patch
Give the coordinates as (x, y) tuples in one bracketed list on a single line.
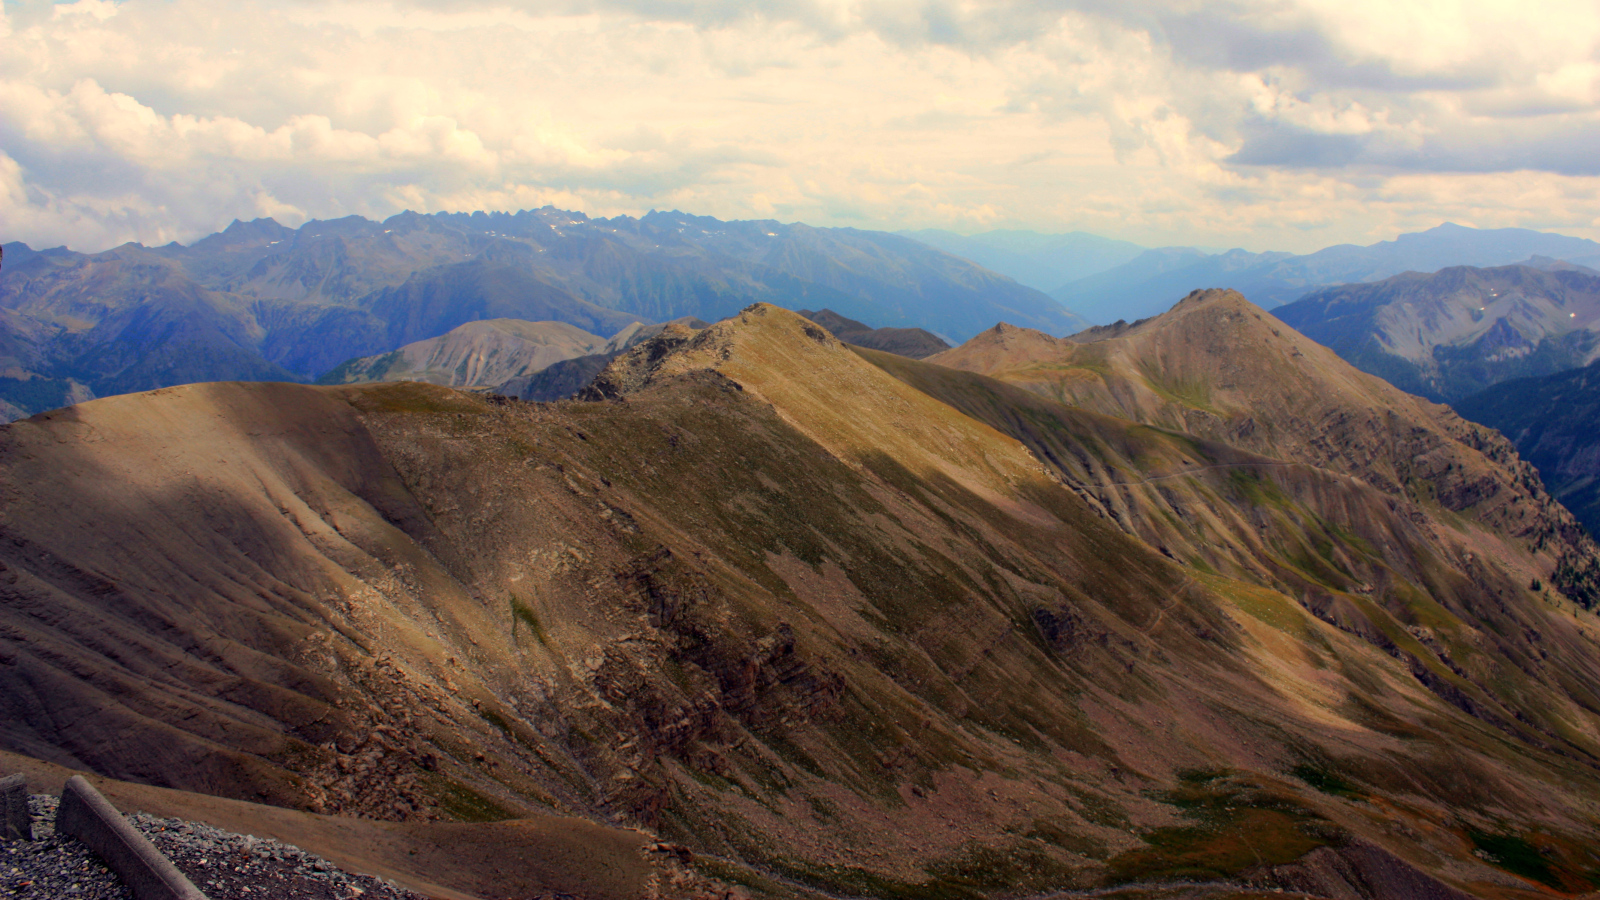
[(734, 873), (1022, 867), (523, 613), (1325, 780), (1236, 827), (856, 882), (1061, 832), (1515, 855), (464, 804), (978, 871), (1195, 393), (1572, 867)]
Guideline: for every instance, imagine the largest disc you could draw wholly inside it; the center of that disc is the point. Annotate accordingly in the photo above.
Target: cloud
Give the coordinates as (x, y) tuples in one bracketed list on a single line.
[(1245, 121)]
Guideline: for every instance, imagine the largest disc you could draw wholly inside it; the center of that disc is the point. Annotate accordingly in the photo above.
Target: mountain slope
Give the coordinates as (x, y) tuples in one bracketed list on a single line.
[(913, 342), (483, 353), (1552, 421), (1219, 368), (560, 380), (1459, 330), (777, 604)]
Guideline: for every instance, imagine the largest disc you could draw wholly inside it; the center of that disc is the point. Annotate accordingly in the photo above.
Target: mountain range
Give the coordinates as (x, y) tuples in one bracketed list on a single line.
[(1455, 332), (828, 621), (1038, 260), (259, 301), (1154, 280)]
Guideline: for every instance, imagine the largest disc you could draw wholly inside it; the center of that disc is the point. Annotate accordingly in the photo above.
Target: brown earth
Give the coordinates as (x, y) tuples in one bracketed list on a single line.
[(868, 628)]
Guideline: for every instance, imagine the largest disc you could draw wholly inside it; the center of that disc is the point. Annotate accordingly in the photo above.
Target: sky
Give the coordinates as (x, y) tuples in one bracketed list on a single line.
[(1263, 124)]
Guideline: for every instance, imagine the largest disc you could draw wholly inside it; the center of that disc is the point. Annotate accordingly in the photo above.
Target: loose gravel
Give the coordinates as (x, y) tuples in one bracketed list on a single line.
[(226, 866)]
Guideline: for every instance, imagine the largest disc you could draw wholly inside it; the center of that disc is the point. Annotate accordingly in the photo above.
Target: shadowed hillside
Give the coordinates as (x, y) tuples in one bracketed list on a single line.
[(1555, 423)]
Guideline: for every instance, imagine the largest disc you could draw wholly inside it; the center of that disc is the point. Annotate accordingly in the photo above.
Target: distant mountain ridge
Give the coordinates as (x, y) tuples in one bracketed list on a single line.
[(1452, 333), (1150, 283), (260, 301), (1043, 261)]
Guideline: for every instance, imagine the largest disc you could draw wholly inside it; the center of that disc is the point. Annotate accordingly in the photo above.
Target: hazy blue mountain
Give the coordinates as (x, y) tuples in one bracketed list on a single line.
[(437, 300), (1553, 421), (1150, 283), (1452, 333), (262, 301), (1042, 261)]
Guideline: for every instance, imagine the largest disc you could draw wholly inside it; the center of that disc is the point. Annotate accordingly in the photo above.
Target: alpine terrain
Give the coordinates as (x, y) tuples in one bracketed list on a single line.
[(263, 302), (1191, 608), (1145, 285), (1459, 330)]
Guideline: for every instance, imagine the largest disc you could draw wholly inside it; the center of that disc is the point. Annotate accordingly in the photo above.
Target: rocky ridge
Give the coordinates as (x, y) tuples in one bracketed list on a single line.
[(832, 621)]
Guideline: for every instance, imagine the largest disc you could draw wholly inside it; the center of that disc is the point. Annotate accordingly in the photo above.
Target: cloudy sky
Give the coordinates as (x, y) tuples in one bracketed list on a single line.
[(1267, 124)]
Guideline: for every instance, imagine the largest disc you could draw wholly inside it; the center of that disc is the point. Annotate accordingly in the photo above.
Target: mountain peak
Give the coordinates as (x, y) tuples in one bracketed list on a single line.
[(1212, 297), (1005, 331), (767, 334)]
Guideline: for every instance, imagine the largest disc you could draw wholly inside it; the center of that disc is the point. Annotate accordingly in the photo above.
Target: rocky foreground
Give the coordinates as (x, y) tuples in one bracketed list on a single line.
[(224, 865)]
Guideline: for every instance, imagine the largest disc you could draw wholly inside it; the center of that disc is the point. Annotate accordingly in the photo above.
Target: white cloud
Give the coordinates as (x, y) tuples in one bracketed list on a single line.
[(1268, 123), (98, 9)]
